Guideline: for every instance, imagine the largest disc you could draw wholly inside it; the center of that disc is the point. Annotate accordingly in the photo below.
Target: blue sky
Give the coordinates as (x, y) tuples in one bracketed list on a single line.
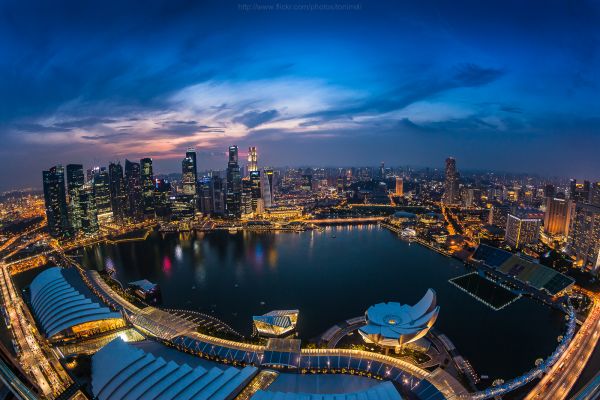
[(506, 85)]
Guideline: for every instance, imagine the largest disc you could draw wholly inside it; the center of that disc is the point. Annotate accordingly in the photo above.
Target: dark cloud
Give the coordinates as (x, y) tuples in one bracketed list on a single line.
[(252, 119)]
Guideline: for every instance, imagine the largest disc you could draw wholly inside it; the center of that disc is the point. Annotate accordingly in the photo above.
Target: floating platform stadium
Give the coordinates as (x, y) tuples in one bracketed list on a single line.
[(276, 323), (484, 290), (392, 325), (516, 269), (66, 309)]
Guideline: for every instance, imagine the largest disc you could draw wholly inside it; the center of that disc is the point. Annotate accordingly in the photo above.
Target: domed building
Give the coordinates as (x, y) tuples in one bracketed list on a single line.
[(393, 325)]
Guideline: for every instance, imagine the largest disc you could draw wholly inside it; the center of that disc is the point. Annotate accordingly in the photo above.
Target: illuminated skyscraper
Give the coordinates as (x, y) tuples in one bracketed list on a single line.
[(75, 181), (56, 202), (579, 192), (118, 196), (102, 194), (584, 238), (147, 183), (399, 187), (188, 175), (265, 187), (191, 153), (451, 183), (255, 184), (246, 196), (252, 160), (133, 186), (89, 214), (558, 216), (522, 229), (233, 202)]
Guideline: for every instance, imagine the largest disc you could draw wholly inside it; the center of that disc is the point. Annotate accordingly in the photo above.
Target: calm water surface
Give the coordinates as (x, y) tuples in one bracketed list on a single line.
[(330, 279)]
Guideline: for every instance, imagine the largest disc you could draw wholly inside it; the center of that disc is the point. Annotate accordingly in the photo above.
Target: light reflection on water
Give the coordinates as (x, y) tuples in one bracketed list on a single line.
[(329, 279)]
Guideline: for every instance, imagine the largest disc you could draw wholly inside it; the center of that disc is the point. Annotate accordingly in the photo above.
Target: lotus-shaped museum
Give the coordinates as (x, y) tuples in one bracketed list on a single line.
[(394, 324)]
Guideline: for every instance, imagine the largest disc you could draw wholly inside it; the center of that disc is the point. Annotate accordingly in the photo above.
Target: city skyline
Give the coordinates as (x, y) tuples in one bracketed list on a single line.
[(408, 84)]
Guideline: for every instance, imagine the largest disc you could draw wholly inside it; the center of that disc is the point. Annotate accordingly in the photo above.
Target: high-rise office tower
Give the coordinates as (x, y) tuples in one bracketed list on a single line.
[(584, 238), (255, 187), (246, 196), (205, 195), (75, 182), (162, 192), (558, 216), (270, 176), (188, 177), (522, 229), (191, 153), (451, 183), (55, 199), (265, 188), (399, 187), (118, 195), (218, 195), (381, 174), (579, 192), (306, 183), (89, 214), (147, 183), (133, 187), (233, 201), (595, 194), (252, 160), (102, 194)]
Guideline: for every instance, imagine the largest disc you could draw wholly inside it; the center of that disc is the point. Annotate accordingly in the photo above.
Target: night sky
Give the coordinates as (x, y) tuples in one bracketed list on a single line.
[(503, 85)]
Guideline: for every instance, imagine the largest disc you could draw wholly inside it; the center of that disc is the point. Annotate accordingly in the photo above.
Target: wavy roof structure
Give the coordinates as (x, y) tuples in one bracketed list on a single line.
[(394, 324), (60, 300), (122, 371), (382, 391)]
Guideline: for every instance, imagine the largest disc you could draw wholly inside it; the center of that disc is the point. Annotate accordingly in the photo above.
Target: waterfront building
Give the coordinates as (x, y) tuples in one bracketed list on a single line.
[(55, 200), (393, 325), (246, 196), (252, 160), (88, 212), (66, 309), (269, 178), (558, 216), (191, 154), (233, 201), (118, 196), (102, 194), (522, 229), (451, 183), (218, 195), (255, 188), (188, 176), (584, 239), (276, 323), (121, 371), (133, 188), (162, 192), (75, 182), (399, 187), (205, 195), (283, 213), (147, 184)]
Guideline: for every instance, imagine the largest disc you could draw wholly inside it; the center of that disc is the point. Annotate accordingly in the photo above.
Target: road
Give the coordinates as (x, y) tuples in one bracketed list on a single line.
[(559, 381), (35, 355)]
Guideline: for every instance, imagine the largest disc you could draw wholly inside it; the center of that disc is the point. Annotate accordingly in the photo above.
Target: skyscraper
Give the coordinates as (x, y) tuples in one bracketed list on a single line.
[(522, 229), (270, 177), (89, 214), (147, 183), (451, 183), (188, 176), (579, 192), (585, 236), (252, 160), (399, 187), (56, 202), (255, 184), (246, 196), (118, 195), (265, 187), (595, 194), (191, 153), (558, 216), (102, 194), (233, 200), (75, 181), (133, 188)]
